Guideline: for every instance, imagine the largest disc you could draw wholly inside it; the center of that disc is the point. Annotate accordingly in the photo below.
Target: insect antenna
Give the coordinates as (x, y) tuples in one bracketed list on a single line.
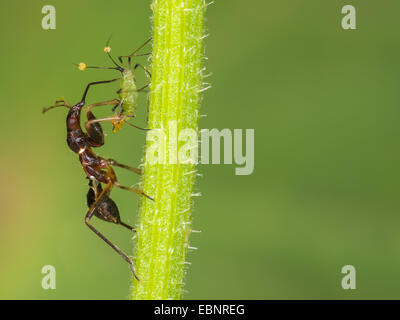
[(107, 50), (82, 66), (119, 68)]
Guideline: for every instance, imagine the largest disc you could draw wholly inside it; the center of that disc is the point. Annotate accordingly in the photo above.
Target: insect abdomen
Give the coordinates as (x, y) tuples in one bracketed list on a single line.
[(128, 92)]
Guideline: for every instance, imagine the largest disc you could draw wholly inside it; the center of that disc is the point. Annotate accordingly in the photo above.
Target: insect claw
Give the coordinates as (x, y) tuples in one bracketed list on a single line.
[(134, 273), (148, 197)]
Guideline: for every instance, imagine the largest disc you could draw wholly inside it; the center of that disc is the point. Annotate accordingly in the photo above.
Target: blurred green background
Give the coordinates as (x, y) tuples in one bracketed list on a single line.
[(324, 103)]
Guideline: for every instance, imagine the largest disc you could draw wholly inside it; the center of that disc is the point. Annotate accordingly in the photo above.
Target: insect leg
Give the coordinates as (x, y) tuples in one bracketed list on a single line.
[(59, 103), (112, 118), (133, 54), (119, 107), (137, 55), (127, 226), (89, 215), (113, 179), (95, 135), (112, 162), (119, 104), (144, 87), (134, 190), (94, 83), (104, 103), (117, 122), (148, 73), (140, 128), (94, 130)]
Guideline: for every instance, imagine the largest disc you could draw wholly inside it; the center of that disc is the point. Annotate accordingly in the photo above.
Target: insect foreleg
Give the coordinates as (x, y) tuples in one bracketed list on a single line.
[(59, 103)]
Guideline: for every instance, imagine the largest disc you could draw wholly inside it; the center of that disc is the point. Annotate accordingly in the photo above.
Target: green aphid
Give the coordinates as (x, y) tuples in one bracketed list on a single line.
[(125, 106)]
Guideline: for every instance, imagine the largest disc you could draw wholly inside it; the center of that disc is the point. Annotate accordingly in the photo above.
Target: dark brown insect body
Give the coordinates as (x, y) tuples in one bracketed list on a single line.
[(98, 170), (107, 209), (76, 138)]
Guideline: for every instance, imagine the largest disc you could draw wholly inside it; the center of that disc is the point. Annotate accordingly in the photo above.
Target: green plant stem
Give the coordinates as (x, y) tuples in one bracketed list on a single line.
[(165, 224)]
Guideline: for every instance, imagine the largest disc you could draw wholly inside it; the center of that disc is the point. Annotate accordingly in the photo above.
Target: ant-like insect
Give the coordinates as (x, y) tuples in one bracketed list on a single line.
[(96, 168), (127, 101)]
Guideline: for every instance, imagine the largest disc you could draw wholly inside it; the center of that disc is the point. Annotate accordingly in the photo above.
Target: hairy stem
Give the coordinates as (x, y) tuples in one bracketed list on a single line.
[(169, 166)]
